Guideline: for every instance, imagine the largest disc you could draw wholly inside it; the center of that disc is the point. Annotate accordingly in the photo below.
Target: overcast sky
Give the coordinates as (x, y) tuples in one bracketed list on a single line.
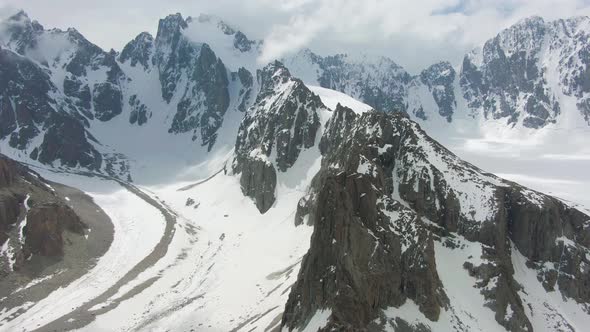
[(414, 33)]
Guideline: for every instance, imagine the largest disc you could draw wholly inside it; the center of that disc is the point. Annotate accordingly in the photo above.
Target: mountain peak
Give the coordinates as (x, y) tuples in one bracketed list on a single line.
[(272, 74), (138, 50), (530, 20), (17, 31), (170, 26)]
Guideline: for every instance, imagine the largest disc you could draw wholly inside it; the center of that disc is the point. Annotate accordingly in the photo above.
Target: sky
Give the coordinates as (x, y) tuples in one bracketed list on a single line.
[(414, 33)]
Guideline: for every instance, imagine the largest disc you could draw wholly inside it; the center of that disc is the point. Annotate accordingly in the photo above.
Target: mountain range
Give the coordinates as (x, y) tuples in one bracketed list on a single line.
[(386, 229)]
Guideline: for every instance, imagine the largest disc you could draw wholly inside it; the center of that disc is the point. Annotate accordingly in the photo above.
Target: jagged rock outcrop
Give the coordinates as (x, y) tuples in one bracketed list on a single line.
[(83, 63), (139, 50), (188, 70), (439, 78), (385, 194), (32, 105), (510, 74), (45, 224), (67, 141), (377, 81), (282, 122), (32, 217), (9, 211)]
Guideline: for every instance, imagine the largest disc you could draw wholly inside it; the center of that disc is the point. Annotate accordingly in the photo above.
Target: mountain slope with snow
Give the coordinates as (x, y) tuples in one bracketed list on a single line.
[(521, 79), (244, 199)]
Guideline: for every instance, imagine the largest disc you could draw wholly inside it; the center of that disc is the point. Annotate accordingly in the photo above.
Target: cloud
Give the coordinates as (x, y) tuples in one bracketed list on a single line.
[(413, 33), (571, 157), (418, 27)]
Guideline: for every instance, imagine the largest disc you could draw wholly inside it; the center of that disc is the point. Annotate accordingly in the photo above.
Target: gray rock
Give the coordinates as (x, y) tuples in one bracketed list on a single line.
[(440, 78), (66, 141), (138, 51), (48, 216), (107, 101), (369, 251), (284, 119), (258, 180)]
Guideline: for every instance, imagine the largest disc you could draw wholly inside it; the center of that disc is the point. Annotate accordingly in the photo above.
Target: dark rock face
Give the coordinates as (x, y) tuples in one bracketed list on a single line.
[(380, 83), (206, 113), (205, 97), (9, 212), (25, 102), (25, 194), (139, 113), (440, 78), (360, 265), (258, 181), (74, 88), (284, 119), (510, 72), (26, 107), (242, 43), (246, 82), (372, 249), (9, 201), (7, 173), (66, 141), (105, 94), (171, 52), (138, 51), (45, 225), (107, 101)]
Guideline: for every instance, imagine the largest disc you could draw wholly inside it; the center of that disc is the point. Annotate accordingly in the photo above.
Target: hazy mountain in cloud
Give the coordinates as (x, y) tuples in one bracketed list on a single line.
[(414, 34)]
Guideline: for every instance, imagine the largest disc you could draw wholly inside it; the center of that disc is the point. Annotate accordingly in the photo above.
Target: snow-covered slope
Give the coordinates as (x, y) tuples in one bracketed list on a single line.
[(110, 111)]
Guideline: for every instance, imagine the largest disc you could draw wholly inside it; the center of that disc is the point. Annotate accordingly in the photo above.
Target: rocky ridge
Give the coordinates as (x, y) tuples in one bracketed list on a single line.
[(521, 77), (388, 197), (281, 123), (76, 87)]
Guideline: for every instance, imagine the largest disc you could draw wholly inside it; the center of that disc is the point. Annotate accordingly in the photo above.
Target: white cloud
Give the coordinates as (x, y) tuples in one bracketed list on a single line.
[(414, 33)]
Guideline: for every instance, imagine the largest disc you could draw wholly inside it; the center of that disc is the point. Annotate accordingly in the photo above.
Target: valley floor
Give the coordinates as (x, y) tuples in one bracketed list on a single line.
[(214, 264)]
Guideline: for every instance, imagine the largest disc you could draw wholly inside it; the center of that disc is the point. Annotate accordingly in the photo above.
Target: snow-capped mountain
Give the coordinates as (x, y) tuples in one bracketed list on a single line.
[(77, 98), (243, 197), (526, 76)]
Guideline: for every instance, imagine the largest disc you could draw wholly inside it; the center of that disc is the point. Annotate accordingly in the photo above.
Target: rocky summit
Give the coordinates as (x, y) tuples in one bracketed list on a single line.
[(204, 190)]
